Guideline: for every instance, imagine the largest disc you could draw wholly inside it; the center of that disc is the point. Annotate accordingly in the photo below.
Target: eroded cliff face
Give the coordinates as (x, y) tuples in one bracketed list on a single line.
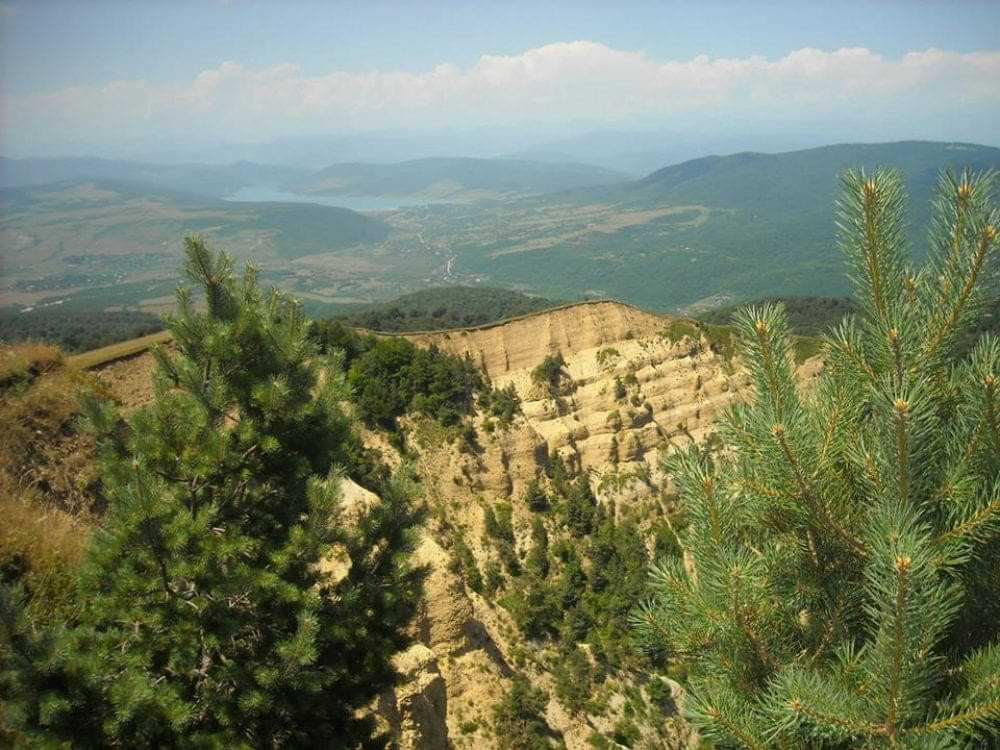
[(522, 343), (629, 391)]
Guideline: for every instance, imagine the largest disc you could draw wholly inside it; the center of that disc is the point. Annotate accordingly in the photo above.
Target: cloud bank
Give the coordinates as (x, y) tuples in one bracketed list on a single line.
[(555, 83)]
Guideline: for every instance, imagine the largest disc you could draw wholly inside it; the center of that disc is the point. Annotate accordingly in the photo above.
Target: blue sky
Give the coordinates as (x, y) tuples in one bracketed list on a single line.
[(260, 70)]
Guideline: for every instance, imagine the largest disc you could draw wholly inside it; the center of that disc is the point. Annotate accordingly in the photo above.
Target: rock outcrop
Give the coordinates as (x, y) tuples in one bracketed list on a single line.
[(628, 391), (416, 710)]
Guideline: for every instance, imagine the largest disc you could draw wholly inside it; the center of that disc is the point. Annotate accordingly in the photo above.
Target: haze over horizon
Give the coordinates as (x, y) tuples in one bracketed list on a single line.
[(394, 81)]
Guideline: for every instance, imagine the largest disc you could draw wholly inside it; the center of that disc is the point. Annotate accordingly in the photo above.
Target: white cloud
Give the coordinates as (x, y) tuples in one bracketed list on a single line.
[(566, 81)]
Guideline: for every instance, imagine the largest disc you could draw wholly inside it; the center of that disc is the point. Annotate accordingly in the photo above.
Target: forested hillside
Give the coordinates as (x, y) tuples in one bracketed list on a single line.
[(446, 307), (746, 225), (216, 180), (76, 331)]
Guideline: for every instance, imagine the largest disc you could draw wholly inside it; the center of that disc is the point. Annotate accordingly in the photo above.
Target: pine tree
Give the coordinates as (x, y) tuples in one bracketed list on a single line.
[(535, 498), (538, 556), (842, 572), (581, 507), (211, 614)]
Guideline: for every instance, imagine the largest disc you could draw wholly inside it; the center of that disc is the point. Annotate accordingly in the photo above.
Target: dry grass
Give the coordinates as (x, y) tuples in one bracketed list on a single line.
[(27, 360), (48, 482), (41, 444), (40, 547), (120, 350)]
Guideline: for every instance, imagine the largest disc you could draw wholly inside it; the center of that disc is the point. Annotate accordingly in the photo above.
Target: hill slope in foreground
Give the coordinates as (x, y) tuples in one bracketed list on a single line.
[(634, 384)]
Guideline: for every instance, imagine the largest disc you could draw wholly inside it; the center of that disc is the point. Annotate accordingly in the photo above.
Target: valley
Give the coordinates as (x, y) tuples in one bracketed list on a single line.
[(719, 228)]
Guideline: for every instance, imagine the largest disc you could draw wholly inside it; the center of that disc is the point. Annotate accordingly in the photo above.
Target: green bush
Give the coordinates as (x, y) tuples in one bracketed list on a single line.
[(519, 718), (573, 678), (538, 556), (550, 372), (535, 498), (393, 377), (501, 404)]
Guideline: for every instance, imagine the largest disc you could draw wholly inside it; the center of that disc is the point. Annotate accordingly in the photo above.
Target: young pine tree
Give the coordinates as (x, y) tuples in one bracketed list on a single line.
[(841, 577), (209, 615)]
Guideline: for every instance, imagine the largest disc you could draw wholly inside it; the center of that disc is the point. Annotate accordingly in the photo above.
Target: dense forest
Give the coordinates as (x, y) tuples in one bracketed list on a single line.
[(77, 331), (807, 316), (446, 307), (815, 316), (426, 310)]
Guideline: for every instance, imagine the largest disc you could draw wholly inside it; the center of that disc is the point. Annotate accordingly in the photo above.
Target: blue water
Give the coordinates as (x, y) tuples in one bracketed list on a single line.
[(353, 202)]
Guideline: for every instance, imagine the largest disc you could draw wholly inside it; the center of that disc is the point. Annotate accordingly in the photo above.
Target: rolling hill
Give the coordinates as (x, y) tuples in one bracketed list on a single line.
[(690, 236), (741, 226), (109, 217), (453, 179), (216, 180)]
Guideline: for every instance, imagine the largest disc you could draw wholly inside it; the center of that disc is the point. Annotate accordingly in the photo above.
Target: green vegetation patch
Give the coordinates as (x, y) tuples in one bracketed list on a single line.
[(77, 331), (444, 308)]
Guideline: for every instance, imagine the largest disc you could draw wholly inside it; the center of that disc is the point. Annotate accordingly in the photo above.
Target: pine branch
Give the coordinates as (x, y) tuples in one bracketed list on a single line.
[(807, 493), (987, 514), (960, 720), (986, 241)]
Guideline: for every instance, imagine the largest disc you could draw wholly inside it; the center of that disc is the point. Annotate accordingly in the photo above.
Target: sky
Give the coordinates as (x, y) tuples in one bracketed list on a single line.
[(74, 75)]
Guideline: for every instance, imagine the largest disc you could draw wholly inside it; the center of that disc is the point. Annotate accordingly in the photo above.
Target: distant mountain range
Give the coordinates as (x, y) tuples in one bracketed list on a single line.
[(217, 180), (456, 178), (432, 179), (701, 232)]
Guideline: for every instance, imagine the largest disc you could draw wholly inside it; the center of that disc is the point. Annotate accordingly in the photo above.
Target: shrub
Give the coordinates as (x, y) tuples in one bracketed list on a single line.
[(607, 355), (538, 557), (620, 390), (501, 404), (464, 562), (519, 718), (492, 578), (573, 679), (535, 498), (550, 372)]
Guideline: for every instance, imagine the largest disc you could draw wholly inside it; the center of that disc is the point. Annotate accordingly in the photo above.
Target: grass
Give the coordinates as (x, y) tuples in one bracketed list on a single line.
[(41, 444), (47, 480), (720, 338), (25, 361), (41, 548), (121, 350), (678, 328)]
